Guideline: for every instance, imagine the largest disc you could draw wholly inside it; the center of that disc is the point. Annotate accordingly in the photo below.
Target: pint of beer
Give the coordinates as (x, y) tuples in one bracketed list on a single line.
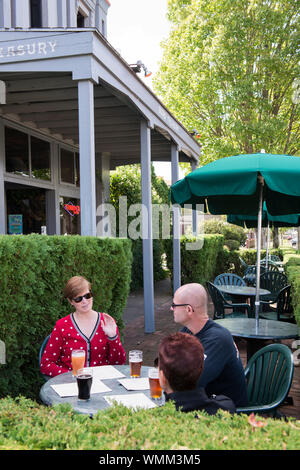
[(84, 382), (78, 360), (135, 362), (155, 388)]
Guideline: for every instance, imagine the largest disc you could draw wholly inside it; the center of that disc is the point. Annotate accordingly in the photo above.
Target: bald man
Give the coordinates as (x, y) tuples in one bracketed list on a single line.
[(223, 372)]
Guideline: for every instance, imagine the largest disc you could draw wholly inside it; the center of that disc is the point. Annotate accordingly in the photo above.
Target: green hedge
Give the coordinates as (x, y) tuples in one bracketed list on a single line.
[(26, 425), (33, 272), (197, 265), (292, 269)]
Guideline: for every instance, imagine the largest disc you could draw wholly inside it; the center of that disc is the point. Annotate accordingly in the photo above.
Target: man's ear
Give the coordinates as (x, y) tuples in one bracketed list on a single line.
[(162, 380)]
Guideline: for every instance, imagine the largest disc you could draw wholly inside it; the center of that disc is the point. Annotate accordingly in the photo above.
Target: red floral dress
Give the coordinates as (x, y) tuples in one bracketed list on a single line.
[(66, 336)]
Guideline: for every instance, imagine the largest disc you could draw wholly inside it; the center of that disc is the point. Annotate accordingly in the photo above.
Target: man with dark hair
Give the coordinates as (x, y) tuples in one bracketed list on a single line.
[(223, 371), (180, 363)]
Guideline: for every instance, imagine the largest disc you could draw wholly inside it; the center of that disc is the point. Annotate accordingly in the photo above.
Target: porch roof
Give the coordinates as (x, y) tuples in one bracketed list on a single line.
[(41, 69)]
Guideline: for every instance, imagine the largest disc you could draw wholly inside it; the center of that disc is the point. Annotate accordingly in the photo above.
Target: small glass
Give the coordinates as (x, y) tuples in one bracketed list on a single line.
[(84, 381), (155, 388), (78, 360), (135, 362)]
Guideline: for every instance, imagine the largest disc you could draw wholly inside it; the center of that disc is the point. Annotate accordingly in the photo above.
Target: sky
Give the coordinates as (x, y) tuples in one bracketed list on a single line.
[(135, 28)]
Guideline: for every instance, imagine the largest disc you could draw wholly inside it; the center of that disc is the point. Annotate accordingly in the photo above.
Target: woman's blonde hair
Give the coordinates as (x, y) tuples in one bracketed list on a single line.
[(75, 285)]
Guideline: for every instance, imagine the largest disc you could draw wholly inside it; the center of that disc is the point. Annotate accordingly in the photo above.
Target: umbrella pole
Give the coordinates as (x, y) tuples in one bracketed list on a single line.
[(259, 224), (268, 241)]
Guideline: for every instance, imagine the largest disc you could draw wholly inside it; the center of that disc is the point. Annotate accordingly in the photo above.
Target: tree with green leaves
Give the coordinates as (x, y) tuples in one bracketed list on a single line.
[(230, 70)]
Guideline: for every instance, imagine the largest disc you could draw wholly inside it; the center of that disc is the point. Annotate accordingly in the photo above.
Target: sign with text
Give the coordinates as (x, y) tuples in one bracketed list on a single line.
[(15, 224)]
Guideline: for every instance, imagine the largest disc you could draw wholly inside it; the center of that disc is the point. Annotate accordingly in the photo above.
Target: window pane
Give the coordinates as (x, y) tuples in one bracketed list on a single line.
[(40, 159), (67, 166), (35, 14), (16, 152)]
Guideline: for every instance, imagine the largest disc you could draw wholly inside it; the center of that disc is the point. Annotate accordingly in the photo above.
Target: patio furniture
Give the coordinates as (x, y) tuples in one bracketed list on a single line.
[(42, 349), (256, 335), (241, 294), (283, 311), (269, 375), (226, 279), (221, 304), (274, 282), (97, 401), (229, 279), (271, 266), (244, 264), (250, 274)]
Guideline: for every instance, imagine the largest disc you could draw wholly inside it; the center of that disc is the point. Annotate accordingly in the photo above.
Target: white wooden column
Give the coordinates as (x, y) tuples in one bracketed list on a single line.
[(147, 227), (20, 14), (87, 157), (176, 222)]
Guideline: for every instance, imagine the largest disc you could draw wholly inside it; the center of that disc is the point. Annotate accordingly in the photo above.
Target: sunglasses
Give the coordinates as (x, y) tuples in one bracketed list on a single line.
[(181, 305), (85, 296)]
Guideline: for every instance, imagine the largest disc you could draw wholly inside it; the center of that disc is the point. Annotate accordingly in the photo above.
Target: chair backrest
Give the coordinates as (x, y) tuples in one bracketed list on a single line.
[(269, 374), (284, 305), (273, 281), (42, 348), (272, 258), (271, 266), (229, 279), (243, 263), (217, 299)]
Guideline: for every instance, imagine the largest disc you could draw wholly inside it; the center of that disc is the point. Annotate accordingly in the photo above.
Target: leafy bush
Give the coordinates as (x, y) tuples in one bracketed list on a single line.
[(34, 270), (126, 181), (234, 236), (26, 425), (196, 265), (292, 269)]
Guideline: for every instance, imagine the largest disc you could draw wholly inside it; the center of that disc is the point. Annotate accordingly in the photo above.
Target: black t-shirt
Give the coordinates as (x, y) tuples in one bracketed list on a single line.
[(223, 372), (197, 400)]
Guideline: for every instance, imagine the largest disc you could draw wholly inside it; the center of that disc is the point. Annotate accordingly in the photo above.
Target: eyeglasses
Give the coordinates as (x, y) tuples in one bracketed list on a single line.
[(181, 305), (85, 296)]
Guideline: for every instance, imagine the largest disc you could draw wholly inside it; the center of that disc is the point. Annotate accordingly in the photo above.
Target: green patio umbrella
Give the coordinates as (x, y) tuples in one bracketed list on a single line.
[(239, 185), (268, 220)]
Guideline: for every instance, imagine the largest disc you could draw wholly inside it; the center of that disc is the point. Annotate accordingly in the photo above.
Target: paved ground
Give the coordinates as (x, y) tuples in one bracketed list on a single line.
[(136, 338)]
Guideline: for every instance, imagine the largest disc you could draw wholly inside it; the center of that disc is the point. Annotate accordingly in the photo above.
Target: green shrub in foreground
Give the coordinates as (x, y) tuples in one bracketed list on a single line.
[(26, 425)]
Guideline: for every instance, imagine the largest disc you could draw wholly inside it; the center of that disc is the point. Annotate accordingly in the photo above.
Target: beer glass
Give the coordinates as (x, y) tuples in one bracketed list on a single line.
[(84, 381), (135, 362), (78, 360), (155, 388)]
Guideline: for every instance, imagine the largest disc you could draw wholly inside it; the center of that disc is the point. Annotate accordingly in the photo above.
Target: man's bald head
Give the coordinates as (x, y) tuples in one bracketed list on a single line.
[(193, 294)]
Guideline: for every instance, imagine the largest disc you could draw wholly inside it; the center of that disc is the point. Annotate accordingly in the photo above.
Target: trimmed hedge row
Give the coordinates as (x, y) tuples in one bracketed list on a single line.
[(25, 425), (198, 265), (33, 272), (292, 269)]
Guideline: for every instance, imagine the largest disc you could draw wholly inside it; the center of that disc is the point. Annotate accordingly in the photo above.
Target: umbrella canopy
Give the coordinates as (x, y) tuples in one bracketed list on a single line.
[(230, 185), (239, 185), (268, 220)]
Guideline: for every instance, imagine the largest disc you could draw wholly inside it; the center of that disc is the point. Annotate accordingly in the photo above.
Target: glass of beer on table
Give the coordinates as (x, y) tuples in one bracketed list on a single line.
[(84, 381), (135, 362), (155, 388), (78, 360)]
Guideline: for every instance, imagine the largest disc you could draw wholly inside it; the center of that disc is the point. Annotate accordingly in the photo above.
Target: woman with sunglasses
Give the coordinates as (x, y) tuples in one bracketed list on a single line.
[(96, 333)]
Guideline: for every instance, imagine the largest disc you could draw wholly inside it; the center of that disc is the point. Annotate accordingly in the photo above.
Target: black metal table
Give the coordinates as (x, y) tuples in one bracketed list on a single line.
[(267, 330)]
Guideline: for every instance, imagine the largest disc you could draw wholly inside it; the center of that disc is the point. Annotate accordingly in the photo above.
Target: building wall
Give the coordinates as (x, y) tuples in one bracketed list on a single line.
[(54, 13)]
